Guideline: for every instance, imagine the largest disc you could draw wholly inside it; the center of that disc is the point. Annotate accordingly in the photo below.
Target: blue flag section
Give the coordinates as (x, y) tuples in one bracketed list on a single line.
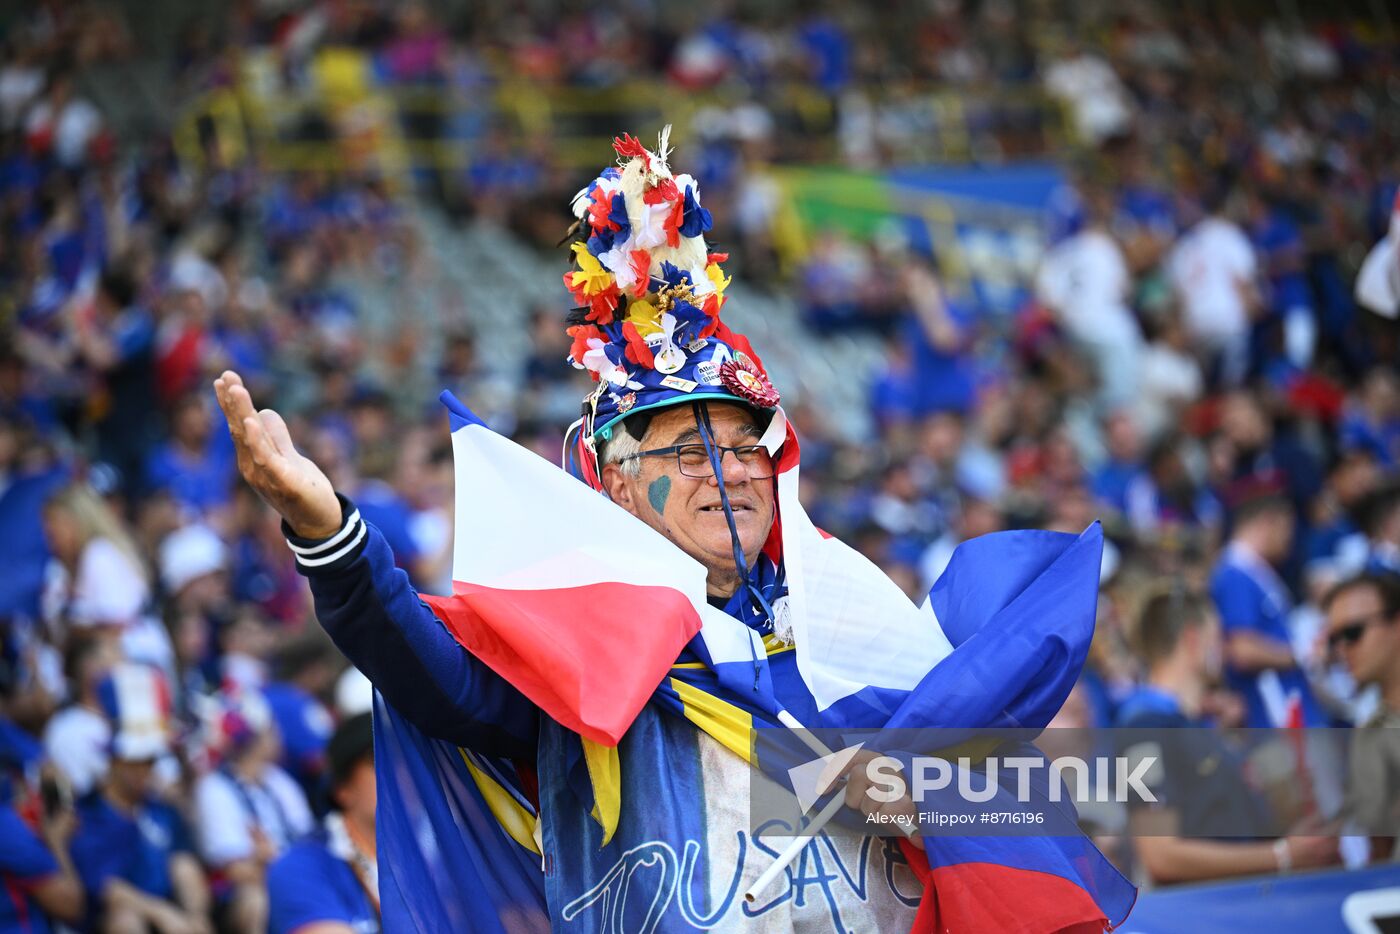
[(1365, 901), (447, 861), (1019, 609)]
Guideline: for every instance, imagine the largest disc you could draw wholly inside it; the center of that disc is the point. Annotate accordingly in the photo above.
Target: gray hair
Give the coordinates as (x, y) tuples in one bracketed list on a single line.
[(621, 445)]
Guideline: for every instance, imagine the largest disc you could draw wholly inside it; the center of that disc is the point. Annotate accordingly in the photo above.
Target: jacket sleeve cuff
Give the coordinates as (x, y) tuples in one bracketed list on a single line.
[(327, 555)]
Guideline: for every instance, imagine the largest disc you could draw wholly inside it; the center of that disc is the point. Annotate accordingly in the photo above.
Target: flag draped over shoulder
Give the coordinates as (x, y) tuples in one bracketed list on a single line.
[(451, 850), (592, 615)]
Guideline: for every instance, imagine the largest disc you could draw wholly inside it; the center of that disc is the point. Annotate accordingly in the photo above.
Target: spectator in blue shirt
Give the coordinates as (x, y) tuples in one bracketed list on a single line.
[(895, 391), (1372, 422), (1268, 453), (37, 881), (119, 344), (132, 851), (1164, 496), (330, 880), (372, 422), (306, 670), (20, 400), (1112, 478), (930, 366), (828, 51), (19, 752), (380, 503), (1380, 519), (27, 692), (940, 332), (28, 477), (196, 464), (1254, 604), (1280, 244), (1334, 530)]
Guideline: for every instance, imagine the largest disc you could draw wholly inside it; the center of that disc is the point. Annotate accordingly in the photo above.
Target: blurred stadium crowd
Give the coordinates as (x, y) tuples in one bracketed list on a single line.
[(1188, 365)]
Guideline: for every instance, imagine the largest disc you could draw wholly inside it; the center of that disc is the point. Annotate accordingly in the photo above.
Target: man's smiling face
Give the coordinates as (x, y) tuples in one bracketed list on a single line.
[(687, 510)]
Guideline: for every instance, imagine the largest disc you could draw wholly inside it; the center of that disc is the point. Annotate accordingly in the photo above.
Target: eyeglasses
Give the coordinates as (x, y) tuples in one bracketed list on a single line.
[(1351, 633), (694, 461)]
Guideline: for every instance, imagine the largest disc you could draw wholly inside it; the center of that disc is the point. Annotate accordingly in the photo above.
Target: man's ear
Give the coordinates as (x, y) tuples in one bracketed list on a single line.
[(618, 489)]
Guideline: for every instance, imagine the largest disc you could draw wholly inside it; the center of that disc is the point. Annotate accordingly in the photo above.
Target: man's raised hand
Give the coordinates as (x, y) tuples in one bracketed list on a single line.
[(294, 486)]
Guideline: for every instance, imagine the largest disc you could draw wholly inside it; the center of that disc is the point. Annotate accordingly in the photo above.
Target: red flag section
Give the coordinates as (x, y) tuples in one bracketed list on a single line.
[(588, 656), (972, 898)]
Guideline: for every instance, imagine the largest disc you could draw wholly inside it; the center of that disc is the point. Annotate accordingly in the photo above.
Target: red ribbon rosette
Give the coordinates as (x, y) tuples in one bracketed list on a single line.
[(748, 382)]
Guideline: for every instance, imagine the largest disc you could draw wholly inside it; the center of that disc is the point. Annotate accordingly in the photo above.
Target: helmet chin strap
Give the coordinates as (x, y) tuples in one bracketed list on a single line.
[(707, 437)]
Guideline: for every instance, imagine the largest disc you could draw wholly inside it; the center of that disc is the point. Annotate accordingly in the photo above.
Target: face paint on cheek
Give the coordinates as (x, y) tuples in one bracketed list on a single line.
[(658, 491)]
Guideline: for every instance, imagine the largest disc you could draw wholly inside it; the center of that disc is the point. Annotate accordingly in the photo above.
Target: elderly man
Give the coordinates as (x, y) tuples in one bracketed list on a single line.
[(684, 434)]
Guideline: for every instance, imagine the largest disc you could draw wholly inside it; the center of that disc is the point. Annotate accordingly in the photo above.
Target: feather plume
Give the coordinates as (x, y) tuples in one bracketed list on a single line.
[(663, 150)]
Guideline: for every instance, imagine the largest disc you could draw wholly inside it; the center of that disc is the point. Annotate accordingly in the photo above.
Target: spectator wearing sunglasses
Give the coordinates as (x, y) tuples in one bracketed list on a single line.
[(1363, 629)]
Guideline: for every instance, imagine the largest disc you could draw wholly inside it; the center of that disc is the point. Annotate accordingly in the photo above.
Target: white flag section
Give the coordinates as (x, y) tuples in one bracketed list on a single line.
[(853, 627), (524, 524)]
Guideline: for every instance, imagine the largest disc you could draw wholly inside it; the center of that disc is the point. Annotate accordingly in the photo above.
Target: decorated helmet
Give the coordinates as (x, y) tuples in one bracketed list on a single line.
[(649, 293)]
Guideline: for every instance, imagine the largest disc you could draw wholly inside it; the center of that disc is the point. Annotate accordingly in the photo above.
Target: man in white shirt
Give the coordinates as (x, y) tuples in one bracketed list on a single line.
[(1169, 380), (1085, 280), (1212, 271), (68, 121), (1101, 105), (248, 811), (76, 738)]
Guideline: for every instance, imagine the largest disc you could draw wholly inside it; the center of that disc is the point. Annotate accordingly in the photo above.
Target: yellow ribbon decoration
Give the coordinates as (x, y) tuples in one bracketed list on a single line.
[(592, 278)]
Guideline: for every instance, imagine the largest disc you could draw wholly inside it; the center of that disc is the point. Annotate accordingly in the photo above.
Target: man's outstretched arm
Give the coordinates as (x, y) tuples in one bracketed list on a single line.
[(365, 603)]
